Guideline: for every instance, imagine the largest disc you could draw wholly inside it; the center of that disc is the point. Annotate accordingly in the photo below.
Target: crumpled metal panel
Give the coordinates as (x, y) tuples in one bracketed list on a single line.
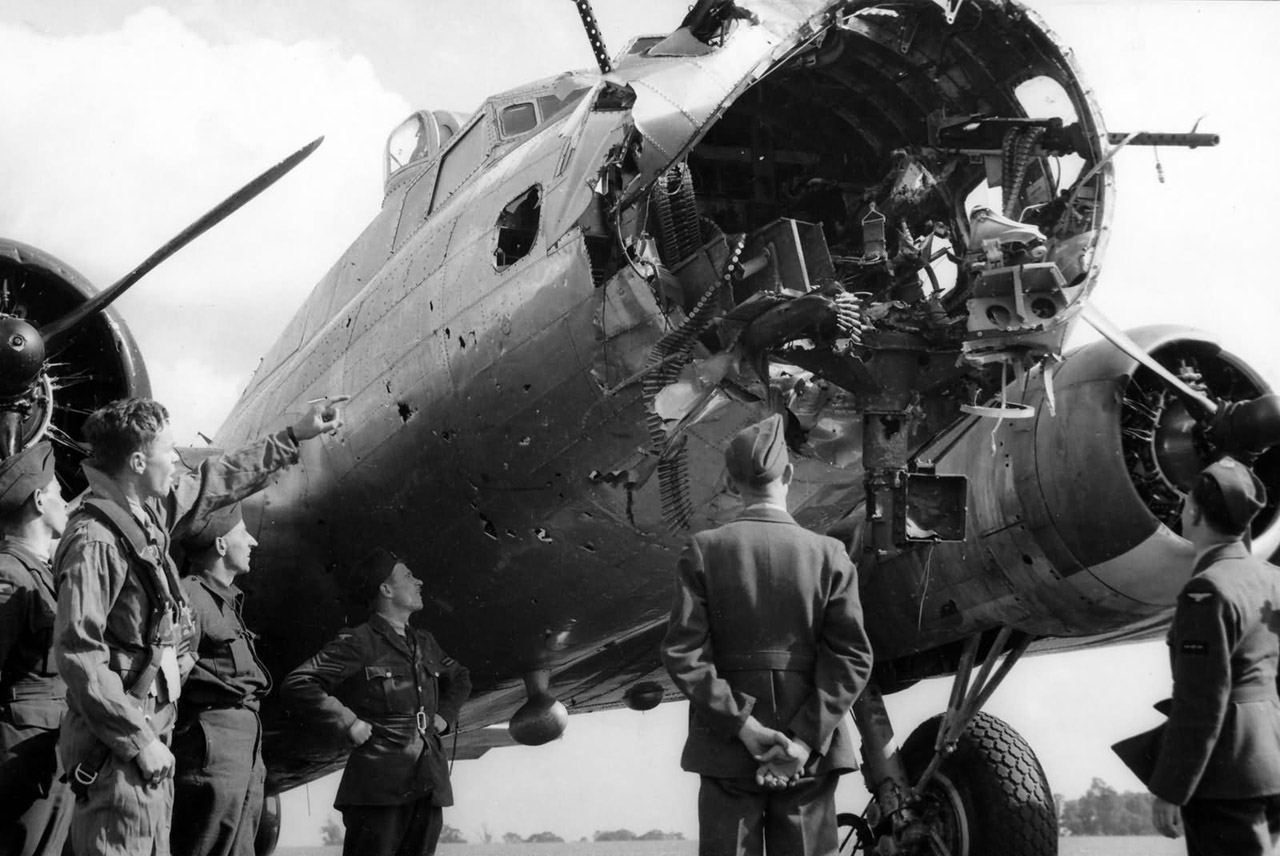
[(677, 101)]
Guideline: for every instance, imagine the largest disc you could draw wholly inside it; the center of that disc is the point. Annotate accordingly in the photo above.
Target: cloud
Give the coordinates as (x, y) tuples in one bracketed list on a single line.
[(117, 140)]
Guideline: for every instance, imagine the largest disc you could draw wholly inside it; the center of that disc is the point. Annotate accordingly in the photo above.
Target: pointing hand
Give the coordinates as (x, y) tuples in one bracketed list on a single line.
[(324, 416)]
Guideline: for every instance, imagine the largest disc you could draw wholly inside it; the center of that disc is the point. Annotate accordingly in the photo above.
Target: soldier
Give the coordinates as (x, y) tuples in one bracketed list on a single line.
[(392, 691), (1218, 765), (35, 806), (217, 744), (767, 700), (120, 613)]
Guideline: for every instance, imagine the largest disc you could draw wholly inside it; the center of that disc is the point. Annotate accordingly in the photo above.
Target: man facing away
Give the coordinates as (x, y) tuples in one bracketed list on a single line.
[(392, 691), (1217, 772), (766, 640), (35, 806), (120, 617), (217, 744)]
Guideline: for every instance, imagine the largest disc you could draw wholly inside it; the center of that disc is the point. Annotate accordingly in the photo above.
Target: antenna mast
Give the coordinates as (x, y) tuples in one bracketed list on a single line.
[(593, 34)]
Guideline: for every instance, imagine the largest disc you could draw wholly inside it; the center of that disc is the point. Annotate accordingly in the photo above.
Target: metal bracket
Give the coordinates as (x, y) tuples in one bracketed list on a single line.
[(966, 699)]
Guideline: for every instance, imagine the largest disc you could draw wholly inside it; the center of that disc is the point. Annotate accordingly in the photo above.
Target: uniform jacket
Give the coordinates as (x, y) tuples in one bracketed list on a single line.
[(101, 635), (31, 692), (32, 696), (766, 622), (371, 673), (228, 672), (1222, 740)]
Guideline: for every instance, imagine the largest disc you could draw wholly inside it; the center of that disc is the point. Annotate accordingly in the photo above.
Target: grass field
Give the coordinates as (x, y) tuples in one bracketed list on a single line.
[(1082, 846)]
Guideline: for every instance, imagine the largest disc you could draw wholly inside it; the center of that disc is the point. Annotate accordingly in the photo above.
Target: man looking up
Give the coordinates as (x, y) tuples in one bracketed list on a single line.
[(35, 807), (392, 691), (217, 744), (766, 641), (1217, 772), (121, 613)]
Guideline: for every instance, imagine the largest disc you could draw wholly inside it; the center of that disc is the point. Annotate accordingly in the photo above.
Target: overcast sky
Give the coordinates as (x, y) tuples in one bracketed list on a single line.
[(122, 121)]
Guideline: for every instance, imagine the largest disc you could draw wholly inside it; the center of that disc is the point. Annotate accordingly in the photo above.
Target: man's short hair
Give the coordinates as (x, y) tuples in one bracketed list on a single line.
[(121, 428), (1209, 501)]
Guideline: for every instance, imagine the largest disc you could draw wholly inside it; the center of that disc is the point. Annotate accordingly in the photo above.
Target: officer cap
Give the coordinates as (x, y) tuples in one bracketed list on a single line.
[(1242, 492), (23, 474), (371, 572), (205, 530), (757, 454)]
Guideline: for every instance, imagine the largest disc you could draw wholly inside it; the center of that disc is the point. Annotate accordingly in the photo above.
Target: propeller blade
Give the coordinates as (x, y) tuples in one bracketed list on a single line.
[(1121, 340), (67, 323)]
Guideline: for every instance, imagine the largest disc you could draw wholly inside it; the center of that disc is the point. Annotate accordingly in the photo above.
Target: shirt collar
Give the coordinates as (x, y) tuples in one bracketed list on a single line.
[(224, 592), (107, 488), (28, 549), (1220, 552), (384, 627)]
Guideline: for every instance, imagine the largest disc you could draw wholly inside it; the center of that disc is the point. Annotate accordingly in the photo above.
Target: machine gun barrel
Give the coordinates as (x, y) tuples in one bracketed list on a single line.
[(1189, 141)]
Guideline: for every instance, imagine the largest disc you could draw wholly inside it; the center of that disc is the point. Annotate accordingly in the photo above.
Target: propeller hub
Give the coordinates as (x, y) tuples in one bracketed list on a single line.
[(1248, 428), (21, 355)]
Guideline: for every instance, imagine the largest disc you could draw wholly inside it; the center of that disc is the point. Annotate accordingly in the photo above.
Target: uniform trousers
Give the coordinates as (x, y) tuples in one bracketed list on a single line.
[(409, 829), (120, 813), (1248, 827), (35, 806), (217, 796), (737, 817)]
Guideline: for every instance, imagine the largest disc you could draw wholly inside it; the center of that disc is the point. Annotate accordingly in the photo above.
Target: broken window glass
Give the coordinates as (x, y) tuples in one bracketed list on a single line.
[(518, 227)]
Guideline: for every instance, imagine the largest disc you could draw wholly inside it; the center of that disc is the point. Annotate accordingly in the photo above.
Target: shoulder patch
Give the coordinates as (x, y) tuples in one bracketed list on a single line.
[(1195, 647), (1199, 596)]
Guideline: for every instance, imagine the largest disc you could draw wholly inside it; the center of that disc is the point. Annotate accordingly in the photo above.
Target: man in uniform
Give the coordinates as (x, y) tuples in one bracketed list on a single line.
[(120, 613), (35, 807), (1217, 772), (392, 691), (217, 745), (766, 640)]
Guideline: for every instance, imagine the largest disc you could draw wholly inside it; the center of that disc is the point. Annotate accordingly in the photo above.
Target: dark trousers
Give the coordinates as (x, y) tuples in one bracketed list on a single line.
[(411, 829), (737, 817), (1249, 827), (217, 790), (35, 807)]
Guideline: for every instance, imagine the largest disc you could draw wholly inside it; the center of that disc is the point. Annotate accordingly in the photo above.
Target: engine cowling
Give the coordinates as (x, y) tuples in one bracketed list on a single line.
[(98, 363), (1073, 513)]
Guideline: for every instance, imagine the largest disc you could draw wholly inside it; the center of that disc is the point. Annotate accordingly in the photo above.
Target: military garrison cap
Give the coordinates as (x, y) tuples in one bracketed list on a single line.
[(203, 531), (23, 474), (758, 453), (371, 572), (1242, 492)]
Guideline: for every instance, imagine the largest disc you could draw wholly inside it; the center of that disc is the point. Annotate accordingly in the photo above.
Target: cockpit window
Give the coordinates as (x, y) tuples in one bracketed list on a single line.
[(407, 143), (460, 162), (551, 106), (518, 118)]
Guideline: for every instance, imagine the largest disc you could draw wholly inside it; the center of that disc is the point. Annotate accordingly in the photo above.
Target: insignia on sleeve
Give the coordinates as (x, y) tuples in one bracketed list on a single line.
[(1199, 596), (1191, 647), (448, 661)]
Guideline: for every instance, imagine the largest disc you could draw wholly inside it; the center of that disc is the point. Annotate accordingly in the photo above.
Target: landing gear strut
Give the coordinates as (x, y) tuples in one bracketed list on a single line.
[(964, 782)]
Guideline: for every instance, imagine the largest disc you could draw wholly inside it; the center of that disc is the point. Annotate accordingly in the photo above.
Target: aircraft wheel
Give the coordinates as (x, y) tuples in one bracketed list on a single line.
[(268, 827), (990, 797)]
